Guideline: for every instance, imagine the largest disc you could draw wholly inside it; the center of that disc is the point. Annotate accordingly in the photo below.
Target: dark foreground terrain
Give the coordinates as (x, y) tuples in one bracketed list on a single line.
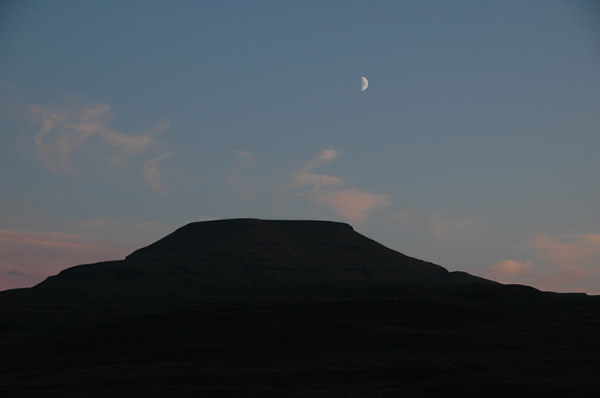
[(151, 326)]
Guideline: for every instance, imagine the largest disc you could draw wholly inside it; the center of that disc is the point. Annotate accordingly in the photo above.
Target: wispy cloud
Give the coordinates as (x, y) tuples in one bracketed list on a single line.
[(352, 204), (305, 177), (66, 130), (152, 175), (245, 155), (326, 156), (244, 160)]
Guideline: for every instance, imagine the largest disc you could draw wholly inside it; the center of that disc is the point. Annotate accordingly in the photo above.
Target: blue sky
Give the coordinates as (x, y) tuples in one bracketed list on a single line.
[(475, 146)]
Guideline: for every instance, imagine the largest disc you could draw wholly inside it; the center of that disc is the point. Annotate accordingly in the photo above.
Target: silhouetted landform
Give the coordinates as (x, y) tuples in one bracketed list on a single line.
[(294, 308), (243, 258)]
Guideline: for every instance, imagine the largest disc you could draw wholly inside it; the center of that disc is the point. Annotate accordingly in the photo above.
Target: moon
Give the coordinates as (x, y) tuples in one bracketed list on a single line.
[(364, 83)]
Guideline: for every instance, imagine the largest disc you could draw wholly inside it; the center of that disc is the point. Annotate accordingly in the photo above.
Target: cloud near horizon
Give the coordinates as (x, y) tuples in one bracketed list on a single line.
[(352, 204), (67, 130), (506, 270), (569, 249), (29, 257), (573, 259), (567, 262)]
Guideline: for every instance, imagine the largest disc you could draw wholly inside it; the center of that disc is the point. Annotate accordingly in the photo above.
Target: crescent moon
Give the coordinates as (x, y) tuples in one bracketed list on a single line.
[(364, 83)]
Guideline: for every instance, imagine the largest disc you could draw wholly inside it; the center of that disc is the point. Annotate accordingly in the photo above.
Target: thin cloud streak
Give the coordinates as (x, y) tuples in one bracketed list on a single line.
[(245, 154), (246, 159), (326, 156)]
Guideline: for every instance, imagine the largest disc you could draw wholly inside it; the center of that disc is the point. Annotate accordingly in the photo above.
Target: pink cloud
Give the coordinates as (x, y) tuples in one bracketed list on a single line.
[(563, 263), (506, 270), (353, 204), (570, 261), (28, 257)]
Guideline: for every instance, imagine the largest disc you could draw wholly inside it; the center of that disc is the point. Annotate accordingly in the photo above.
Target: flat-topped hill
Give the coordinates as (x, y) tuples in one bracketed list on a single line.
[(256, 257)]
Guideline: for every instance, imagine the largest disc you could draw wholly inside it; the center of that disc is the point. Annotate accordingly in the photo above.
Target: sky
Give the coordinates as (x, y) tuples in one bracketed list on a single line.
[(475, 145)]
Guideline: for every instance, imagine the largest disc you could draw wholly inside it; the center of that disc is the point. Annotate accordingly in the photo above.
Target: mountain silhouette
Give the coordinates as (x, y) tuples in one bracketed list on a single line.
[(241, 258), (290, 308)]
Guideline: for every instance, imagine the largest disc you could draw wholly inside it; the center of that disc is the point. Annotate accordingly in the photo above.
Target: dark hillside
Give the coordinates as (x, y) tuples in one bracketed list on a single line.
[(297, 308), (245, 258)]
